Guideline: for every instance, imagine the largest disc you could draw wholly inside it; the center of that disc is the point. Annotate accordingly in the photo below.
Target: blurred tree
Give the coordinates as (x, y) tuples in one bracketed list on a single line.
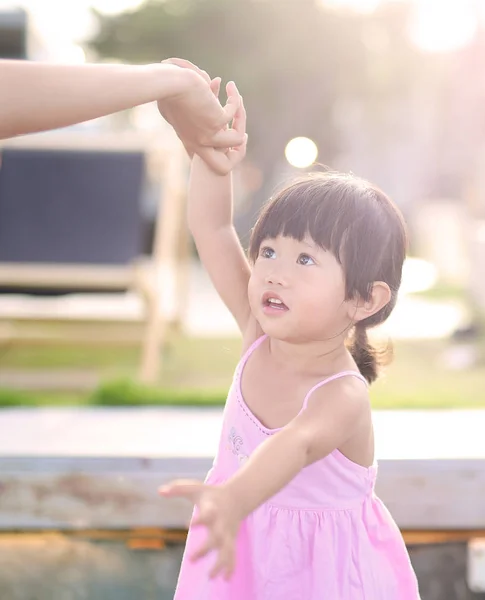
[(295, 61)]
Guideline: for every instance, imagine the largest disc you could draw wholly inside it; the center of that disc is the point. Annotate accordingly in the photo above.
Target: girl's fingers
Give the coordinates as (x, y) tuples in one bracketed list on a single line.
[(203, 550), (208, 514), (242, 147), (184, 488), (224, 564), (214, 572), (231, 564), (227, 138), (216, 159), (236, 155), (223, 162)]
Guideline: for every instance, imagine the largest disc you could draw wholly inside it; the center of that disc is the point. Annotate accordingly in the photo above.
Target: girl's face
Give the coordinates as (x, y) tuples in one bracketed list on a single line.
[(297, 291)]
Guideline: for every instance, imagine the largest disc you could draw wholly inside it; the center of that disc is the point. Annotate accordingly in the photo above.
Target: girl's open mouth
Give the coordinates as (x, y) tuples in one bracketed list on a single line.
[(273, 303)]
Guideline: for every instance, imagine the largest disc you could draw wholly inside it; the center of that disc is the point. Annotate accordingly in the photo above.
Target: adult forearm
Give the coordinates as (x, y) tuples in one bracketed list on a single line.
[(40, 96), (274, 464)]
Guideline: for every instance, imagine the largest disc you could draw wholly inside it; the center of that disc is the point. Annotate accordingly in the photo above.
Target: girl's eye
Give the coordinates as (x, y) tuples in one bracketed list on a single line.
[(305, 259), (267, 252)]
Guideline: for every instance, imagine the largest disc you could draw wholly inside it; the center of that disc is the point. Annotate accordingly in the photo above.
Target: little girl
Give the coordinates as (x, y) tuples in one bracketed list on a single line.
[(288, 511)]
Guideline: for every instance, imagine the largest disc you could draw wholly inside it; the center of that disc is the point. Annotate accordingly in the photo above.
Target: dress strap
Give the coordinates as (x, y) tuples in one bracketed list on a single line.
[(332, 378), (250, 350)]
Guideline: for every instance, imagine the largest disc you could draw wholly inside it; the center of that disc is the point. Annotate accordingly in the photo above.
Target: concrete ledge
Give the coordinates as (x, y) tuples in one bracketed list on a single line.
[(100, 467), (121, 493)]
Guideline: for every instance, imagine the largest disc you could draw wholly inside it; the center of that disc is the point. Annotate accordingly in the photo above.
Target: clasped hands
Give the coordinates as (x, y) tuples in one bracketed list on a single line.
[(215, 133)]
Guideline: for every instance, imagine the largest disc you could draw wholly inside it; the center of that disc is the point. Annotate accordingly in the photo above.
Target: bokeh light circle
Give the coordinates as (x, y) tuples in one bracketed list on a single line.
[(301, 152)]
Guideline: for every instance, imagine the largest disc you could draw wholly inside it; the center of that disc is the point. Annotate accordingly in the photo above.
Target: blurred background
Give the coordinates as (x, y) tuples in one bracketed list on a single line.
[(121, 313), (391, 90)]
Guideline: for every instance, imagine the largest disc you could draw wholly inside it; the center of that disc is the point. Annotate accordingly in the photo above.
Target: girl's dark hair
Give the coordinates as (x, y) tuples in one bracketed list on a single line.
[(359, 224)]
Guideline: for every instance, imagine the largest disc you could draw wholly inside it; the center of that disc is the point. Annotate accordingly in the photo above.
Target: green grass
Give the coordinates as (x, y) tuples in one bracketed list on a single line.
[(442, 291), (417, 379), (199, 372), (186, 362), (14, 398)]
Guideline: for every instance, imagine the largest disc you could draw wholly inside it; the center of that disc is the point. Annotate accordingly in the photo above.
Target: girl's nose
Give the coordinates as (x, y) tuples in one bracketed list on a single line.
[(275, 278)]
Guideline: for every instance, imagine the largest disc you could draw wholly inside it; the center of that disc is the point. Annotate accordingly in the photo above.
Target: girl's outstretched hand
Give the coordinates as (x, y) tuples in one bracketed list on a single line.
[(218, 512)]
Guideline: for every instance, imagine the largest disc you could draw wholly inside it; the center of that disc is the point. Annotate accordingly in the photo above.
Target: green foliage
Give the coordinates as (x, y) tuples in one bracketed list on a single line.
[(10, 398), (125, 392), (15, 398)]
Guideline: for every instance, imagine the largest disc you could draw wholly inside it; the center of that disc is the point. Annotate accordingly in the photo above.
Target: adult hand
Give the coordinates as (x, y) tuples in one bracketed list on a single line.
[(224, 161), (197, 115)]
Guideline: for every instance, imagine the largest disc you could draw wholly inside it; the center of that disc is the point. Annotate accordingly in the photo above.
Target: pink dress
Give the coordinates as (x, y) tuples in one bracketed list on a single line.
[(325, 536)]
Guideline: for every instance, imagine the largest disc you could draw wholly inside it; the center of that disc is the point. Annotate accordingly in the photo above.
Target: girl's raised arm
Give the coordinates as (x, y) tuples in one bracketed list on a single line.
[(210, 218)]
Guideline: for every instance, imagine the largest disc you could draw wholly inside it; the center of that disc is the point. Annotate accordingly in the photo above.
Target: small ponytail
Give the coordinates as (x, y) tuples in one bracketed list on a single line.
[(367, 358)]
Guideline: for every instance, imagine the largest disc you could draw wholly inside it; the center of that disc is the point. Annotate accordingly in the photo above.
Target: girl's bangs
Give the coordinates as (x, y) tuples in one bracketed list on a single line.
[(305, 210)]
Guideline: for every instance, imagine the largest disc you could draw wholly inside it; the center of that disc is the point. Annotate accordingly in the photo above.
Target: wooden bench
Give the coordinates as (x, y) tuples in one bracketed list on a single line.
[(112, 264)]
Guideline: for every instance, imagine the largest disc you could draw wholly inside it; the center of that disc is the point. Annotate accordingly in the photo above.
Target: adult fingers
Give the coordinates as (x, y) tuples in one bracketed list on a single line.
[(233, 102), (215, 86), (239, 121), (186, 64)]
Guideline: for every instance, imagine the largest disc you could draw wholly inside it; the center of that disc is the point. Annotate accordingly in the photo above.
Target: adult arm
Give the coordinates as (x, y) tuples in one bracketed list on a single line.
[(37, 96)]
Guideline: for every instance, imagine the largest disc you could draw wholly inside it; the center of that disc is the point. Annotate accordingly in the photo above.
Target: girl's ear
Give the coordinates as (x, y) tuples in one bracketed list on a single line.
[(360, 309)]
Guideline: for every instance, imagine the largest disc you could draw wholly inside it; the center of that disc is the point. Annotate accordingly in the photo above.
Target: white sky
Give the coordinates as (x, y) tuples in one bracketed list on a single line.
[(60, 25)]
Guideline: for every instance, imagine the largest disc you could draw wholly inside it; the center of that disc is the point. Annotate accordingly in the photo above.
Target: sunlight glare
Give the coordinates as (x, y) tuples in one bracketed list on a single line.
[(74, 54), (440, 26), (418, 276), (361, 6), (112, 7)]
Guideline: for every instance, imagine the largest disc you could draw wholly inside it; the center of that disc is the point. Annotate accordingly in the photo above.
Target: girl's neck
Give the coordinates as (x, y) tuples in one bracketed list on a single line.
[(326, 356)]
